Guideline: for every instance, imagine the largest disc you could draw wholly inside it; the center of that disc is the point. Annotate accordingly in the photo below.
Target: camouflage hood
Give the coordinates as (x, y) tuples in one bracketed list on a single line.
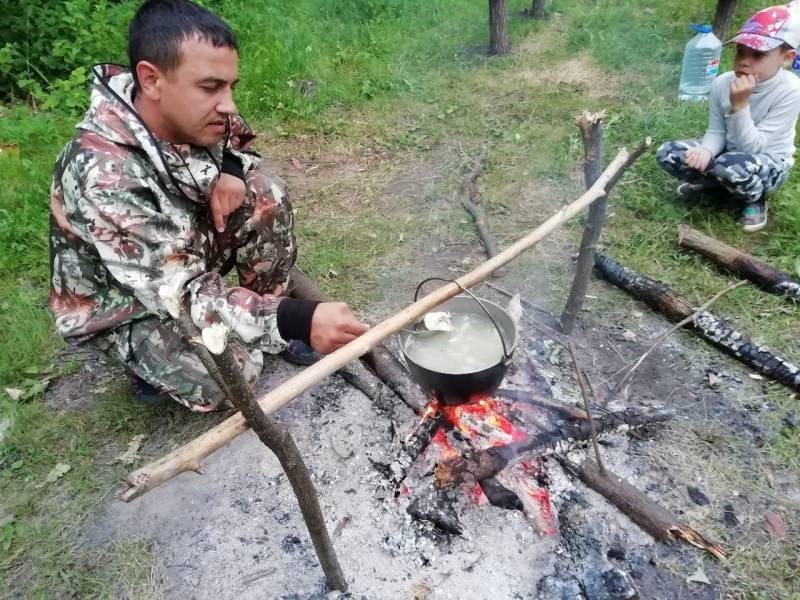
[(131, 235)]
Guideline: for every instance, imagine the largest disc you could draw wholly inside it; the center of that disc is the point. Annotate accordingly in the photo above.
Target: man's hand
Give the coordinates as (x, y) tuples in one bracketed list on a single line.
[(333, 326), (741, 88), (697, 158), (227, 196)]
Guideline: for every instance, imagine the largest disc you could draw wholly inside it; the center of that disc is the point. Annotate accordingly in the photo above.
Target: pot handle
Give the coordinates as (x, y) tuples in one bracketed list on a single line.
[(506, 356)]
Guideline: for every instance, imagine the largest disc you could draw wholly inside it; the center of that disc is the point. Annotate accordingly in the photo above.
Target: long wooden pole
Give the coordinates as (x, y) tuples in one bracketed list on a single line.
[(188, 456)]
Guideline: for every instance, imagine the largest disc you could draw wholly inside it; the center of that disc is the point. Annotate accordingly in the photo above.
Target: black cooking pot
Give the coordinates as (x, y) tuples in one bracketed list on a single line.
[(460, 388)]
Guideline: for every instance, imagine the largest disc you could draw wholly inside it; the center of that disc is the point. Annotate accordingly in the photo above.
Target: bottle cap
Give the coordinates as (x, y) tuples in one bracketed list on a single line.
[(702, 28)]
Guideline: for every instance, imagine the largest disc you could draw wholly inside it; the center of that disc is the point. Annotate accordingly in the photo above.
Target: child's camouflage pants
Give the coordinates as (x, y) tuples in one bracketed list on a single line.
[(748, 177), (154, 350)]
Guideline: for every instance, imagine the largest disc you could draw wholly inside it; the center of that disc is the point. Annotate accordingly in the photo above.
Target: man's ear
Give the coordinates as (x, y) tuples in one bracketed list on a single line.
[(788, 57), (149, 77)]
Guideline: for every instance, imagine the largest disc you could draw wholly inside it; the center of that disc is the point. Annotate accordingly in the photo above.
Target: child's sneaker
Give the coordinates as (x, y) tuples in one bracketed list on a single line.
[(686, 188), (754, 216)]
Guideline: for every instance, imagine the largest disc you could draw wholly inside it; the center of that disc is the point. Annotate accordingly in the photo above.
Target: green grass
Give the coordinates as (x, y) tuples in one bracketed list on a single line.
[(413, 75)]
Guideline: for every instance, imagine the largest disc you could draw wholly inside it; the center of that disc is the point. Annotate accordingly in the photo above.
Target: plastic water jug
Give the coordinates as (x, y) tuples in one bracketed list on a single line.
[(700, 64)]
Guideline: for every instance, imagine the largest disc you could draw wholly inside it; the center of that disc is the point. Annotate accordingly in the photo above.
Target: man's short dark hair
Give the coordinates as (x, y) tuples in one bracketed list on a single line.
[(159, 26)]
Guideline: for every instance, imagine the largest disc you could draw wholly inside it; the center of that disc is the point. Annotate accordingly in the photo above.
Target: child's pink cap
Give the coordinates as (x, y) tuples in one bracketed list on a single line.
[(770, 28)]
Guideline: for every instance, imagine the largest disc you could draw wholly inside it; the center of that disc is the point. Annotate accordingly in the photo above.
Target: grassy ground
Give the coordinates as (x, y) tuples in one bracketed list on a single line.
[(410, 79)]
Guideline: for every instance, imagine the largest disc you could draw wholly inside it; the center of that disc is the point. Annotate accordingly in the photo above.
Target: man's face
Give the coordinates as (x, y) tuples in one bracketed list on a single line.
[(762, 64), (197, 96)]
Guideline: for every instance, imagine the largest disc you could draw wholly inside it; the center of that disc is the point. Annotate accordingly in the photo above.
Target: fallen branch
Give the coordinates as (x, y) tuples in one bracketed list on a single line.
[(643, 511), (488, 463), (188, 456), (225, 371), (631, 367), (742, 264), (705, 325), (467, 194)]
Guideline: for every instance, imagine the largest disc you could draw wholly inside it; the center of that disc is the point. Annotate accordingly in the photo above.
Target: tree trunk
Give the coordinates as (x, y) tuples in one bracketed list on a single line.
[(537, 9), (591, 126), (726, 9), (498, 21), (705, 325), (763, 275)]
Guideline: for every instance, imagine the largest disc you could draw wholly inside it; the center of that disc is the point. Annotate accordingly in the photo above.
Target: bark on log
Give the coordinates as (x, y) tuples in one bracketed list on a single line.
[(277, 438), (488, 463), (379, 360), (706, 325), (647, 514), (591, 126), (188, 456), (537, 9), (723, 17), (565, 411), (498, 21), (762, 274)]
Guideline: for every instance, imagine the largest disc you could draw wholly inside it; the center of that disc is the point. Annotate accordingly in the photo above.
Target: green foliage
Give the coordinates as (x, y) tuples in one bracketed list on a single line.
[(47, 46)]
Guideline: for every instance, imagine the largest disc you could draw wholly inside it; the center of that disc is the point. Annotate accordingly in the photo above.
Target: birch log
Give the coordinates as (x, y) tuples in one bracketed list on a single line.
[(705, 325)]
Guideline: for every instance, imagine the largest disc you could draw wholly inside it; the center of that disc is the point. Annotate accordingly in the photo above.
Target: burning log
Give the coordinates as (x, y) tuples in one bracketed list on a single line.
[(379, 360), (188, 456), (565, 411), (415, 445), (488, 463), (762, 274), (647, 514), (225, 371), (705, 325)]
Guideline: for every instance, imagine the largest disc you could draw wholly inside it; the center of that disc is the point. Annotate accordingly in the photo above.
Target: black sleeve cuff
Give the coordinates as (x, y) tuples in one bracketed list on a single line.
[(232, 166), (294, 319)]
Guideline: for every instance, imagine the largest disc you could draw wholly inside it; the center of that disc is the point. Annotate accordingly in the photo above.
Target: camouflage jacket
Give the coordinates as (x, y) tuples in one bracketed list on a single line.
[(131, 234)]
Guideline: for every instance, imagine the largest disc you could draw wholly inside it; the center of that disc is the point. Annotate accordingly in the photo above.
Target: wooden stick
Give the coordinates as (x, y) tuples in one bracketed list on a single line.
[(188, 456), (705, 325), (742, 264), (467, 193), (225, 371), (591, 126), (636, 363), (488, 463), (567, 411), (379, 360), (643, 511), (587, 406)]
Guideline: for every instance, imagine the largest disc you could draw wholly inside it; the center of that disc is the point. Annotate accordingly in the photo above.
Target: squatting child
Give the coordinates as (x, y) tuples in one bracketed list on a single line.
[(748, 148)]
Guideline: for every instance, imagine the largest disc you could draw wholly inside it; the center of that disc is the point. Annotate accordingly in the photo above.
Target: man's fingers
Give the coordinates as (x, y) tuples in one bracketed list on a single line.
[(217, 213)]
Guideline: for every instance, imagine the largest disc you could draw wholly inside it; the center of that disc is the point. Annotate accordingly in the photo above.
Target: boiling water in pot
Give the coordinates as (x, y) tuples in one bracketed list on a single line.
[(472, 345)]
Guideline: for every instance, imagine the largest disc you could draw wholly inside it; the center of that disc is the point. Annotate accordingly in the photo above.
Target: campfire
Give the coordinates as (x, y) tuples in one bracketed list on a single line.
[(462, 430)]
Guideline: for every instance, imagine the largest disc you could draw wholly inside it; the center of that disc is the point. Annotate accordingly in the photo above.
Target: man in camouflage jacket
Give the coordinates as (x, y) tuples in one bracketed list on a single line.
[(156, 196)]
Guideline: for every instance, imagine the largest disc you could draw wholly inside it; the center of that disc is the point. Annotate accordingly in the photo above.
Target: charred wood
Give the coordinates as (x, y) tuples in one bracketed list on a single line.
[(415, 445), (488, 463), (646, 513), (705, 325), (565, 411), (436, 507), (762, 274)]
